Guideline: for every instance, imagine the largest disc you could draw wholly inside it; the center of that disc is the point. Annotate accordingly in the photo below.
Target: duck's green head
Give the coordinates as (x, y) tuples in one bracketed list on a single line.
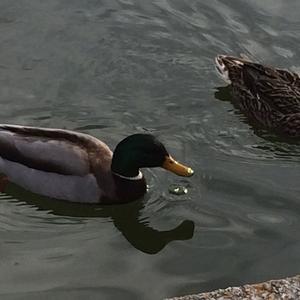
[(144, 151)]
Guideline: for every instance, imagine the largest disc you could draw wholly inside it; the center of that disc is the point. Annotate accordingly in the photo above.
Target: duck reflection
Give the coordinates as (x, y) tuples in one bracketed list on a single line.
[(224, 93), (126, 218)]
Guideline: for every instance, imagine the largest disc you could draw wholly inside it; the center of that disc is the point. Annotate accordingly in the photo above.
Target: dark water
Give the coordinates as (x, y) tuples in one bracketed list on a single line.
[(112, 68)]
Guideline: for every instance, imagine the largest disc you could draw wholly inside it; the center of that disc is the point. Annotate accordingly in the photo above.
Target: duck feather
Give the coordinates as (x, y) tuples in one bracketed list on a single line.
[(56, 163), (266, 94)]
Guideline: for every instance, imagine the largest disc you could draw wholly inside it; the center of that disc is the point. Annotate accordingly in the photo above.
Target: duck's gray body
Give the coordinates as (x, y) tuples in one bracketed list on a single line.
[(57, 163)]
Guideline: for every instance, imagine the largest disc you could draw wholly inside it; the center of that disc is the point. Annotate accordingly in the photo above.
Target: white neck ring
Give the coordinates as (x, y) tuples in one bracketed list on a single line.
[(137, 177)]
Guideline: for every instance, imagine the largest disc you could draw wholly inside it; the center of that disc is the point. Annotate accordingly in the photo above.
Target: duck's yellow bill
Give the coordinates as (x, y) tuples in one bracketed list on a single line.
[(172, 165)]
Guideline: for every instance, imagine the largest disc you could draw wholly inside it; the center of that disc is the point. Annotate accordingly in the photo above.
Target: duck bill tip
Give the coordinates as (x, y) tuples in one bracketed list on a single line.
[(177, 168)]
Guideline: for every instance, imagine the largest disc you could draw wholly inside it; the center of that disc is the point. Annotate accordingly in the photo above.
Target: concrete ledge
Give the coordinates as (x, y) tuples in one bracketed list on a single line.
[(285, 289)]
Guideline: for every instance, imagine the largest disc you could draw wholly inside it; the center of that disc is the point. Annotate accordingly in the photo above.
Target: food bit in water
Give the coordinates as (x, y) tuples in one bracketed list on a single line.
[(177, 189)]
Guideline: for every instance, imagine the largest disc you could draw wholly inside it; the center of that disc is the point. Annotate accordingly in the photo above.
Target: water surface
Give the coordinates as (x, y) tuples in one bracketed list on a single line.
[(113, 68)]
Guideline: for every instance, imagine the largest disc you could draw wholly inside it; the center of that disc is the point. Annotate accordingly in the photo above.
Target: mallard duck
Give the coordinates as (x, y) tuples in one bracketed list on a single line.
[(77, 167), (268, 95)]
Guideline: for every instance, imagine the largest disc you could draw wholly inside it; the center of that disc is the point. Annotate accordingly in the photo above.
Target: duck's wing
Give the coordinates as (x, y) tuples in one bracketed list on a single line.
[(291, 78), (273, 87), (51, 150)]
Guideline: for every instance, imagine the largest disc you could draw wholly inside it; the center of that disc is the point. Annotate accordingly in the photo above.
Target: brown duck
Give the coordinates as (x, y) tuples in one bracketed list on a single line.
[(268, 95)]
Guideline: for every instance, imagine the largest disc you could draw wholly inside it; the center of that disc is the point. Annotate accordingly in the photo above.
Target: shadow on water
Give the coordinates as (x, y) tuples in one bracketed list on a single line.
[(223, 93), (280, 145), (126, 218)]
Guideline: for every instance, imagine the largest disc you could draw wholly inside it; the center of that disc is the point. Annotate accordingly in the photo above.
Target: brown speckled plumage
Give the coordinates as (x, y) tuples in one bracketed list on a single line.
[(268, 95)]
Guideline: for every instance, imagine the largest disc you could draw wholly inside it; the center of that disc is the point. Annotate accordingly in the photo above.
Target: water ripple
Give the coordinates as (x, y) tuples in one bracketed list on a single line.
[(113, 68)]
